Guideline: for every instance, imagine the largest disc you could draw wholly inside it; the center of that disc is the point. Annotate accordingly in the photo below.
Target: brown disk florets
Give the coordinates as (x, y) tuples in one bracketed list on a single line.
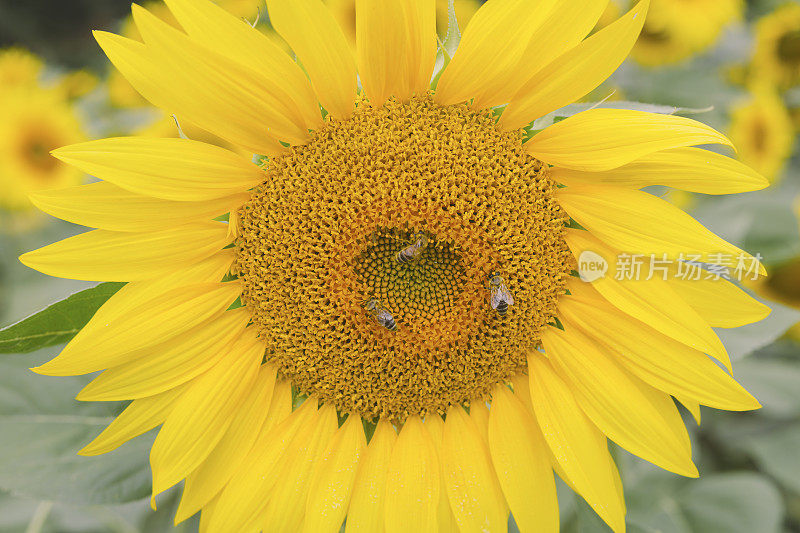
[(320, 245)]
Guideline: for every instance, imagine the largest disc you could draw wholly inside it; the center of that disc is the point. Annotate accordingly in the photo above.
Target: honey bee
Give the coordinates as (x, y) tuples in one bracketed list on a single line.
[(381, 314), (413, 251), (501, 297)]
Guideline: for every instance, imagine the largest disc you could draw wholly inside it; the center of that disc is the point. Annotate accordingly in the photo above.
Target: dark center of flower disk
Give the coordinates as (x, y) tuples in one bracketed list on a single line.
[(789, 47), (348, 319), (35, 147)]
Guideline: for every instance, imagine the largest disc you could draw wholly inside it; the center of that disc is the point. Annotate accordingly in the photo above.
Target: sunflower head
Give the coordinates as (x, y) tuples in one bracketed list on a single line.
[(389, 326), (35, 122), (19, 67), (777, 51), (763, 132), (420, 205), (678, 29)]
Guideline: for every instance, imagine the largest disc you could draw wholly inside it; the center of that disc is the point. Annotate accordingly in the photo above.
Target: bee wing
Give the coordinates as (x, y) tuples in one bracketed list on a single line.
[(501, 294), (385, 315), (497, 297), (509, 299)]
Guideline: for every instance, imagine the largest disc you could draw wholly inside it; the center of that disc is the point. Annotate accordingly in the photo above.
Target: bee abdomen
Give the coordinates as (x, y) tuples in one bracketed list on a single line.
[(502, 308)]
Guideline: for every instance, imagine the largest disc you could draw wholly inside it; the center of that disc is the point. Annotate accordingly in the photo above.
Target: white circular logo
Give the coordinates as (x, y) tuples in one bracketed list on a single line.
[(591, 266)]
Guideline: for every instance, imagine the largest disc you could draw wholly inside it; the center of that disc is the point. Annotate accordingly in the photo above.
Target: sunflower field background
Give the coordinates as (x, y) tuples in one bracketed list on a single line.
[(734, 64)]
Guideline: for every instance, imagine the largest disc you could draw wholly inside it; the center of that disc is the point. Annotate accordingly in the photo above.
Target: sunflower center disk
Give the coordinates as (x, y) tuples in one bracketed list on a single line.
[(366, 258), (415, 290), (789, 47)]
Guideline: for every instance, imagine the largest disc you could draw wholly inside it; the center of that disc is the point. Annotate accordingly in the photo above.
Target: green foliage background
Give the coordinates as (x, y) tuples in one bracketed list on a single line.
[(749, 462)]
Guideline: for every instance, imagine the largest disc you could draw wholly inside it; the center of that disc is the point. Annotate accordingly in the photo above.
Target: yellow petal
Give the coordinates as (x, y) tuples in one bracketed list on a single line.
[(170, 169), (368, 501), (522, 462), (479, 413), (662, 362), (333, 477), (175, 362), (288, 499), (586, 294), (638, 222), (242, 502), (202, 96), (721, 303), (445, 518), (692, 406), (577, 72), (634, 415), (689, 169), (311, 31), (473, 489), (209, 24), (204, 413), (396, 44), (106, 206), (650, 300), (205, 516), (564, 27), (578, 446), (102, 255), (139, 417), (483, 60), (134, 294), (207, 480), (144, 330), (413, 481), (213, 79), (602, 139), (281, 405)]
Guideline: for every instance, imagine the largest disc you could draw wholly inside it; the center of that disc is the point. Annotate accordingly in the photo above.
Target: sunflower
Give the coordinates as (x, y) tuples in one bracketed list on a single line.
[(763, 132), (345, 13), (19, 67), (678, 29), (388, 330), (777, 50), (35, 121)]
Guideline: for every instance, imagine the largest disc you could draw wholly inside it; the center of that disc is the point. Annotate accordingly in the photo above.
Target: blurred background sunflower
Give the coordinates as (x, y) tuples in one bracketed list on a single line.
[(732, 64)]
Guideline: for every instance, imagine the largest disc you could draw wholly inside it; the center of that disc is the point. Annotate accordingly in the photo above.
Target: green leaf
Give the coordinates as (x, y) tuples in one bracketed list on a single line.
[(761, 222), (58, 323), (776, 453), (732, 503), (41, 429), (774, 383), (742, 341)]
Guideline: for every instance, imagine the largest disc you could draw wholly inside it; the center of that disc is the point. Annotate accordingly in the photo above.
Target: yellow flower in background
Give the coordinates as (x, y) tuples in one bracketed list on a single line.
[(399, 260), (34, 122), (776, 58), (345, 13), (76, 84), (678, 29), (19, 67), (763, 132)]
